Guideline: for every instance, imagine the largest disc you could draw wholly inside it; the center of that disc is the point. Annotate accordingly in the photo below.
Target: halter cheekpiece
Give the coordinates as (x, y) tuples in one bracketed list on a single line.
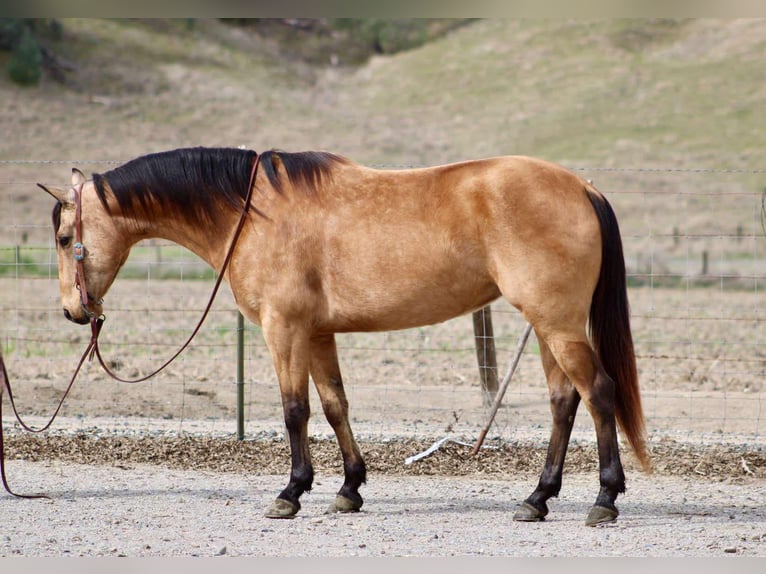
[(78, 252)]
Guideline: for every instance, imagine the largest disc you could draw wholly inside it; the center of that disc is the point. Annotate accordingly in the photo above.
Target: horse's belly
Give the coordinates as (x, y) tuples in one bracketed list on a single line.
[(404, 273), (392, 306)]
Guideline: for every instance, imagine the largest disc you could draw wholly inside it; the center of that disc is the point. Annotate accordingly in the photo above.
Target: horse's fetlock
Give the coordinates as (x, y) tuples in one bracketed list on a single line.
[(613, 480), (303, 476), (356, 472), (550, 488)]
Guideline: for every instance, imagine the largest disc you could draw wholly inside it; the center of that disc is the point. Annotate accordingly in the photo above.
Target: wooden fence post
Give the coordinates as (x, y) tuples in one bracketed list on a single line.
[(485, 353)]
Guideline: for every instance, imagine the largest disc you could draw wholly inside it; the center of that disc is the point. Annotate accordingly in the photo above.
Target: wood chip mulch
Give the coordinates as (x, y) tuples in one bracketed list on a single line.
[(714, 462)]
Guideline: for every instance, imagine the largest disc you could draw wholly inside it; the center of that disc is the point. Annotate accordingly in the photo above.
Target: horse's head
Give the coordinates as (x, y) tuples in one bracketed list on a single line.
[(89, 248)]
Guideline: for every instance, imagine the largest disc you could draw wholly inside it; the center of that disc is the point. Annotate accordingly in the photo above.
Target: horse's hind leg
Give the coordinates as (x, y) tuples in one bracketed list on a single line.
[(580, 364), (329, 384), (564, 401)]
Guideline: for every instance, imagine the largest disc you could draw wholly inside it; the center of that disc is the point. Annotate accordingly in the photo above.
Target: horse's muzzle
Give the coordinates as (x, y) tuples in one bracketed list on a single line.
[(80, 320)]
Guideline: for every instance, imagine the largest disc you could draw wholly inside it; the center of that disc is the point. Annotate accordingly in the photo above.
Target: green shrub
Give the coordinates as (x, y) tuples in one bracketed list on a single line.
[(389, 36), (25, 64)]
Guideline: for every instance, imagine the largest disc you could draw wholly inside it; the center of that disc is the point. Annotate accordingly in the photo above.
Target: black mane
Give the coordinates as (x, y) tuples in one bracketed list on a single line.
[(194, 181)]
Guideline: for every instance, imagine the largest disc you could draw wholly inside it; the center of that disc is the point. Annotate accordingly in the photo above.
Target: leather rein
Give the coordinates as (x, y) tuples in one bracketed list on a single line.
[(96, 323)]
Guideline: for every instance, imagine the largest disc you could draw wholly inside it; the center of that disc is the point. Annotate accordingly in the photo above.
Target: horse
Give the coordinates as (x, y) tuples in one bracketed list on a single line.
[(326, 245)]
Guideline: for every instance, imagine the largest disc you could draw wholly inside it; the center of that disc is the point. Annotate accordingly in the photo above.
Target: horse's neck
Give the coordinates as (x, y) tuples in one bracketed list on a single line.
[(207, 242)]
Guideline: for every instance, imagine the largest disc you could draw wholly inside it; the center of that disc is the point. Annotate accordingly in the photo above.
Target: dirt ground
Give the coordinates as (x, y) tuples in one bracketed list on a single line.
[(139, 510)]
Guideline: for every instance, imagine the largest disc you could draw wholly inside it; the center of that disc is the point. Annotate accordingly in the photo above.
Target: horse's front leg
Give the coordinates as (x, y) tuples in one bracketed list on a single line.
[(326, 374), (289, 347)]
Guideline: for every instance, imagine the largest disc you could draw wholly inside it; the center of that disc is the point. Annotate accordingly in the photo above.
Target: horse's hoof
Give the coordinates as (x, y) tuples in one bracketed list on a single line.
[(282, 508), (343, 504), (601, 515), (528, 513)]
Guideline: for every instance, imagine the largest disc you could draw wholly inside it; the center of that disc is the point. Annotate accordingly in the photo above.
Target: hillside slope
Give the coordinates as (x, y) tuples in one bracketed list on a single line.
[(643, 91), (614, 92), (596, 93)]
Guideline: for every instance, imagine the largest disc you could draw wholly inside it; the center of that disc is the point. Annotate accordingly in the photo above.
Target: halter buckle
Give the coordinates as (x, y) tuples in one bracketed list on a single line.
[(79, 251)]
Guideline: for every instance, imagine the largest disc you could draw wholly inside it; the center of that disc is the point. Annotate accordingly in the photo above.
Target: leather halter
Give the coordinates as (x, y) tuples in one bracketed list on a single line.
[(78, 250)]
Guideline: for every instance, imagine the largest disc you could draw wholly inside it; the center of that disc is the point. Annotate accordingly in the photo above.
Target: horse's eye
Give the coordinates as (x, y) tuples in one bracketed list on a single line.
[(65, 241)]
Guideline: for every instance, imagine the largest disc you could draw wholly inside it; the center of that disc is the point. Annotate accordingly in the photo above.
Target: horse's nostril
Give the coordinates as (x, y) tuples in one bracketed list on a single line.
[(67, 314)]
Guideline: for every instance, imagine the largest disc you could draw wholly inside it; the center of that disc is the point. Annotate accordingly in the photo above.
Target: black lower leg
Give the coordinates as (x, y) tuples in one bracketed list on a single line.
[(355, 476), (564, 407), (302, 471), (335, 405), (612, 480), (611, 473)]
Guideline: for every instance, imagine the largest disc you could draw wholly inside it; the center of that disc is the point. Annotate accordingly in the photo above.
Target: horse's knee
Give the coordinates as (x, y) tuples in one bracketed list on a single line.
[(296, 413)]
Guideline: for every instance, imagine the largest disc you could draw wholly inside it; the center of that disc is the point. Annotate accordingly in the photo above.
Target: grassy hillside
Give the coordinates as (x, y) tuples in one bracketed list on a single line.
[(614, 92), (622, 93), (641, 92)]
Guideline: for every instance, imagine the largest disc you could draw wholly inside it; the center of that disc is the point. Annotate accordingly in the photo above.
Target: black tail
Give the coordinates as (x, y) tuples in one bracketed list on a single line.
[(610, 330)]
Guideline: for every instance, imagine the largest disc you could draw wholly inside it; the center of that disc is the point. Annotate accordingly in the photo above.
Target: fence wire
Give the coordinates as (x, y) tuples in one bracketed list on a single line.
[(696, 260)]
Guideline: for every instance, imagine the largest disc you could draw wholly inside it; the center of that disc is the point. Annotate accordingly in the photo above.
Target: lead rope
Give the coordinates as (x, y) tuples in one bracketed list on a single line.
[(6, 385), (97, 322)]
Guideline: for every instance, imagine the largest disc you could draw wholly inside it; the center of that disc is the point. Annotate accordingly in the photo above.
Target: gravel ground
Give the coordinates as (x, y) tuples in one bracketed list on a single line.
[(160, 494), (144, 510)]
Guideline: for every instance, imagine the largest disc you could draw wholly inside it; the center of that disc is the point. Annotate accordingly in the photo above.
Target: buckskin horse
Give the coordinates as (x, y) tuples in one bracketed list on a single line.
[(317, 244)]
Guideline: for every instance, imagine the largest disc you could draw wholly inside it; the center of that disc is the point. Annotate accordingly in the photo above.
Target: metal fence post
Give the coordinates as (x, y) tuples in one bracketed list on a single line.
[(240, 376)]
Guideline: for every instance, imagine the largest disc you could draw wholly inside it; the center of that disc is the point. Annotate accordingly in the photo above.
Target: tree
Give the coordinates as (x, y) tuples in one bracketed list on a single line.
[(25, 64), (24, 37)]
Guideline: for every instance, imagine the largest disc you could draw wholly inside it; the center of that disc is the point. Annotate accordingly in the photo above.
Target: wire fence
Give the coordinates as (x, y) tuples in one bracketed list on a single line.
[(696, 260)]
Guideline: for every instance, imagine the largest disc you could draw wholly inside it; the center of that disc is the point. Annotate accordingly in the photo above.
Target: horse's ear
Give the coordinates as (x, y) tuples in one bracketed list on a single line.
[(78, 177), (61, 195)]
